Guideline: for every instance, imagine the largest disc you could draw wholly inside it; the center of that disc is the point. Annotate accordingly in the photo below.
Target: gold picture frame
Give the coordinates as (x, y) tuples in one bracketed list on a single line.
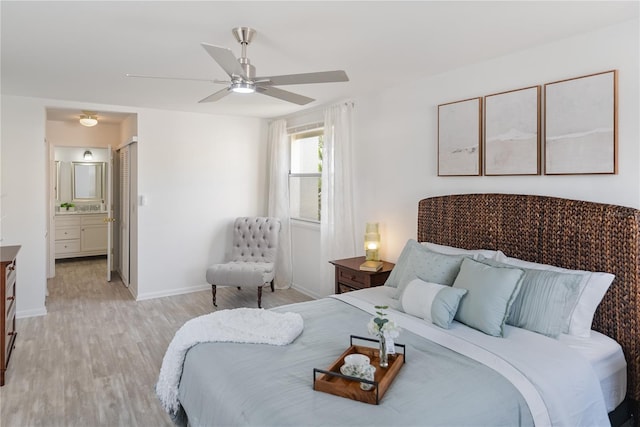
[(460, 138), (581, 125), (512, 132)]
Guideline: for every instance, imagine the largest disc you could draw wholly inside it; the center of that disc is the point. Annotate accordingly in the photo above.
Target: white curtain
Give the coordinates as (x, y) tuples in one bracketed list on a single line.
[(336, 217), (279, 161)]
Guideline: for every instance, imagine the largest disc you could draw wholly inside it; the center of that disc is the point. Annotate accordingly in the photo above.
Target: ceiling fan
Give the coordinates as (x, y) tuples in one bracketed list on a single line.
[(242, 75)]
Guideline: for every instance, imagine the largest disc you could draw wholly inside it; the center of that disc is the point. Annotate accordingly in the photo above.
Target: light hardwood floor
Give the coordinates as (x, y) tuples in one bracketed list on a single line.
[(93, 360)]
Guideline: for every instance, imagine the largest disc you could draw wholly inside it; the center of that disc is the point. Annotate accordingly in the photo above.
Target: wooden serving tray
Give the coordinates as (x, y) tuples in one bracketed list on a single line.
[(334, 382)]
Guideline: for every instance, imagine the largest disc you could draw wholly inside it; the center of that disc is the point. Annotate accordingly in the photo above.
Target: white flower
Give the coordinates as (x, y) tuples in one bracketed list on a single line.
[(381, 325)]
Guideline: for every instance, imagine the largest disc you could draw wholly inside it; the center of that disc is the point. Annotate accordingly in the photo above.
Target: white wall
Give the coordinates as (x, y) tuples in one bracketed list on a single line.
[(198, 171), (396, 129), (305, 254), (128, 129), (75, 135), (23, 201)]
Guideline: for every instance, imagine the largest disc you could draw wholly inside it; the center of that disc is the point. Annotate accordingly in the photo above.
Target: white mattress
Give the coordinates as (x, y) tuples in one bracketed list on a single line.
[(607, 360), (604, 353)]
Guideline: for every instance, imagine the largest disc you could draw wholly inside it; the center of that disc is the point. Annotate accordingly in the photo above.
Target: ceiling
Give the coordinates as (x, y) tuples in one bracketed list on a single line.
[(81, 50)]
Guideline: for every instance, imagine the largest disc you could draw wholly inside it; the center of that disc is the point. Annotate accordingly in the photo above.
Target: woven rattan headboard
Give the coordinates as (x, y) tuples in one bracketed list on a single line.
[(567, 233)]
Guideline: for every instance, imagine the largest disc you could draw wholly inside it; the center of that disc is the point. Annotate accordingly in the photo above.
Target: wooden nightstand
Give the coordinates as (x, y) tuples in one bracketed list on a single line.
[(349, 277)]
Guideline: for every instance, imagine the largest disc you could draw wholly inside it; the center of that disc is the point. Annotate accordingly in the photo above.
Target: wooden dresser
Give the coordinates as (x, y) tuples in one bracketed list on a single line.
[(8, 256)]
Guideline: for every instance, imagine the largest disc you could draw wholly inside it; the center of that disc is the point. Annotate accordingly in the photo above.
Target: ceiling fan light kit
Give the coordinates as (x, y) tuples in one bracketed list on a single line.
[(242, 87), (242, 75)]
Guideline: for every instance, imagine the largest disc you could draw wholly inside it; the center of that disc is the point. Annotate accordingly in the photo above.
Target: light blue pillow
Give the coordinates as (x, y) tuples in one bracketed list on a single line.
[(432, 302), (445, 305), (490, 294), (418, 262), (401, 263), (545, 301)]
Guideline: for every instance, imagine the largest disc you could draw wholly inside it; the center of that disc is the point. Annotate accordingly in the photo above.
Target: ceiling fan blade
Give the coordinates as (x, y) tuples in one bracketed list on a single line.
[(216, 96), (284, 95), (305, 78), (225, 58), (142, 76)]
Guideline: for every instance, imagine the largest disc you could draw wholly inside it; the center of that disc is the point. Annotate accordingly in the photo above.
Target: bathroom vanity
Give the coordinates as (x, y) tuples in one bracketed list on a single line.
[(80, 234)]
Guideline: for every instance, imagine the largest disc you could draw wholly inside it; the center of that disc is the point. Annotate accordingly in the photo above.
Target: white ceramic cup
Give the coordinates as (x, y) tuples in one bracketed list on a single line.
[(356, 359), (368, 374)]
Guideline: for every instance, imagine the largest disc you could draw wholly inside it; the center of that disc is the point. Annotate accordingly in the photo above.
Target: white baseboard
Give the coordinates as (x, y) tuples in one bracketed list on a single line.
[(22, 314), (306, 291), (171, 292)]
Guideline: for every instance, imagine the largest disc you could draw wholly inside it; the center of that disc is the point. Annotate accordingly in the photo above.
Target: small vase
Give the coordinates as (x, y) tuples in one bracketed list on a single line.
[(384, 363)]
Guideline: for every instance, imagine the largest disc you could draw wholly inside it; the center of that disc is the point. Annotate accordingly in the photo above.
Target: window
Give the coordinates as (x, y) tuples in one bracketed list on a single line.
[(305, 175)]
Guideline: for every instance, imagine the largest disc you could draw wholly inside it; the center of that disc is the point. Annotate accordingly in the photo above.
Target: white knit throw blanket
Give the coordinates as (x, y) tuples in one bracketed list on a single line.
[(241, 325)]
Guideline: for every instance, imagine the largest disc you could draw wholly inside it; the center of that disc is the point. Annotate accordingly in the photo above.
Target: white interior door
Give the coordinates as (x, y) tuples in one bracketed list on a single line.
[(52, 191), (109, 206), (124, 214)]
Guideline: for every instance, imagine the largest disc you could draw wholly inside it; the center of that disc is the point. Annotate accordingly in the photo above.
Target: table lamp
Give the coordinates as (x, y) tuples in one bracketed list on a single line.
[(371, 248)]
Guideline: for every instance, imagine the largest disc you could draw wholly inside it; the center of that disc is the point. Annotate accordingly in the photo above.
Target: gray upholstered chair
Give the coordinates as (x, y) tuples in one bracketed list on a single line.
[(253, 256)]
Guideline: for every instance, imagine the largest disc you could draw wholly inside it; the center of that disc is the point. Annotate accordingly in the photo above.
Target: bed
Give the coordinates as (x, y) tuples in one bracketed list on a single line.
[(448, 374)]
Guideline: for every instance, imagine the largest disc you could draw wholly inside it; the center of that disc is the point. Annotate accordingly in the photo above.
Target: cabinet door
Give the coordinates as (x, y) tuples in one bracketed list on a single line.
[(93, 238)]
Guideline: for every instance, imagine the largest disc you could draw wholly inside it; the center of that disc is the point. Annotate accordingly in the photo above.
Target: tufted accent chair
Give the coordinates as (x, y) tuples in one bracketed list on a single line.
[(253, 256)]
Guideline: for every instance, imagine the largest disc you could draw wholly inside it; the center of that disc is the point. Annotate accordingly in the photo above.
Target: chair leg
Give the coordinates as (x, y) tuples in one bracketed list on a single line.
[(213, 291), (259, 296), (272, 288)]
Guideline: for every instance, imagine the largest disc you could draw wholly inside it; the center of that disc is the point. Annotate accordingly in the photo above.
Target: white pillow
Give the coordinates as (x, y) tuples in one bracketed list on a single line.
[(432, 302), (593, 286), (451, 250)]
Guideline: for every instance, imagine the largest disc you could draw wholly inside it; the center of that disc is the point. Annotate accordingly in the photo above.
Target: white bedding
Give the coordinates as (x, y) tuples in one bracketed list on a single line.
[(607, 359), (600, 352)]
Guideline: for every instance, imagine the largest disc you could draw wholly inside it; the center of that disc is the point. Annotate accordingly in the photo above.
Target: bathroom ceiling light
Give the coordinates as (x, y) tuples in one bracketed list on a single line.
[(88, 155), (88, 118)]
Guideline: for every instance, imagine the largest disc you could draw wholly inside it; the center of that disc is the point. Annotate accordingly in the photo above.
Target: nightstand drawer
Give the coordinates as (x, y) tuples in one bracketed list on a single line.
[(349, 277), (346, 288), (354, 278)]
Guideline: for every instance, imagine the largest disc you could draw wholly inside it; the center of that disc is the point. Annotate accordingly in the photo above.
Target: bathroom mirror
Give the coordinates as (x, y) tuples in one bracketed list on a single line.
[(88, 181), (58, 180)]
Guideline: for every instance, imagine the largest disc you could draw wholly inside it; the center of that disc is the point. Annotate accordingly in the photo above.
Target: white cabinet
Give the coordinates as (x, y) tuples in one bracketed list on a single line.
[(80, 235)]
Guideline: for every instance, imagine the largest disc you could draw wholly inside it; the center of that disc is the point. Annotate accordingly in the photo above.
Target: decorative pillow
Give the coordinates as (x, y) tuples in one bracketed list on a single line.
[(401, 263), (451, 250), (545, 301), (432, 302), (418, 262), (491, 292), (592, 288)]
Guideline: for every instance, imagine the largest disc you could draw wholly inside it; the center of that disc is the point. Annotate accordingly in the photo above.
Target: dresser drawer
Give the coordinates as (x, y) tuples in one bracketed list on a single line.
[(10, 315), (9, 338), (355, 279), (67, 246), (10, 294), (67, 233), (10, 273)]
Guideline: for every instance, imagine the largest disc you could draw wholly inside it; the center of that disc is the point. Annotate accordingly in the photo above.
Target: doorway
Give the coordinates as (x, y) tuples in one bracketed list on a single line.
[(82, 222)]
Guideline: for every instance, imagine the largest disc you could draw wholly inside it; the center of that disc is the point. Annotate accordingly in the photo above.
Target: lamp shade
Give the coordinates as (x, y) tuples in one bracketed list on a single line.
[(372, 242)]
